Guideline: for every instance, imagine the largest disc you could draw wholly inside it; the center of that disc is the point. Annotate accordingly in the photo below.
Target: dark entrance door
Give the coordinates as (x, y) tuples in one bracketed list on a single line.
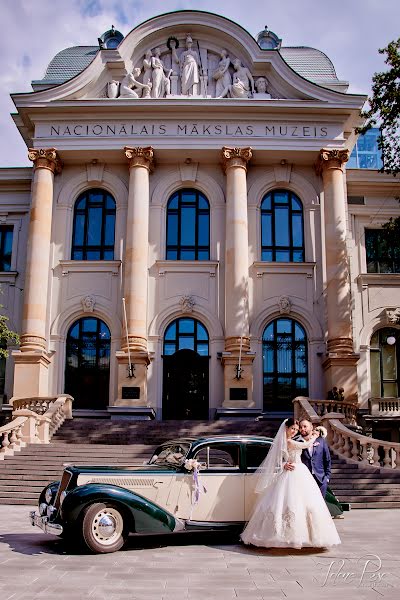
[(185, 386), (87, 369)]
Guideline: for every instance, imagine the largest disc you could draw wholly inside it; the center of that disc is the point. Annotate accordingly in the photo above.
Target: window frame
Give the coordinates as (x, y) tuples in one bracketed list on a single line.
[(385, 332), (274, 248), (378, 259), (183, 335), (179, 248), (101, 248), (4, 230)]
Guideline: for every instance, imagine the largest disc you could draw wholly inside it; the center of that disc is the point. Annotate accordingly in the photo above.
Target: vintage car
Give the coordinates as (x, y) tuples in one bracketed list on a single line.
[(101, 506)]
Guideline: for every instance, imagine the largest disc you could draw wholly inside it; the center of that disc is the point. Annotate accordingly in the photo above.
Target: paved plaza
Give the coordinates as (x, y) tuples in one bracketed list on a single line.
[(34, 566)]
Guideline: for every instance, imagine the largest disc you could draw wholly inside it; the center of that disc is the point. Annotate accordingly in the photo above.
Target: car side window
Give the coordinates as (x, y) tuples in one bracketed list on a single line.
[(219, 456), (255, 454)]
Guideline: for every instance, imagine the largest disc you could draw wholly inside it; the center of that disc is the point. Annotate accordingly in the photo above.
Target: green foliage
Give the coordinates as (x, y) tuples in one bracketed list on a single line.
[(384, 108), (6, 335)]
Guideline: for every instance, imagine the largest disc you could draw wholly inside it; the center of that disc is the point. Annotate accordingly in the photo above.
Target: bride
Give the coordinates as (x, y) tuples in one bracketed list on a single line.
[(290, 512)]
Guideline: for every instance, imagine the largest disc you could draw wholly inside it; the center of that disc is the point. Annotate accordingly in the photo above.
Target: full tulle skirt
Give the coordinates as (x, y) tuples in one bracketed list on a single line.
[(291, 513)]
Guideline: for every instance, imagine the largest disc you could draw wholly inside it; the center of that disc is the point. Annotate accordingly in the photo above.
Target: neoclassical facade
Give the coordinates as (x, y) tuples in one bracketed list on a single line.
[(189, 241)]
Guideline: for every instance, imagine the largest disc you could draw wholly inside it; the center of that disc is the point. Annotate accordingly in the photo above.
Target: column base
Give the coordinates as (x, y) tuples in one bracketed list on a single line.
[(341, 372), (132, 390), (31, 373), (238, 386)]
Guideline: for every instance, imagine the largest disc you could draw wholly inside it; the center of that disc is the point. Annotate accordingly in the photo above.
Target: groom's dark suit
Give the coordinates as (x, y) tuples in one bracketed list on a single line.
[(318, 461)]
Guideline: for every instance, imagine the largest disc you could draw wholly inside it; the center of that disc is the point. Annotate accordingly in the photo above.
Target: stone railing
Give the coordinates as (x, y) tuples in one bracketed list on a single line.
[(33, 426), (346, 443), (348, 409), (11, 436), (385, 407)]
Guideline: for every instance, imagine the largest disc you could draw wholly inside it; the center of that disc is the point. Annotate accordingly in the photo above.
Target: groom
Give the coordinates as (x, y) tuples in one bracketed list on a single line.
[(317, 458)]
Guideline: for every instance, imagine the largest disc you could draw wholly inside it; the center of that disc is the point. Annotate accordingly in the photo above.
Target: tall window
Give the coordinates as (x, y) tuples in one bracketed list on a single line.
[(285, 367), (384, 357), (6, 237), (186, 334), (383, 254), (282, 238), (94, 226), (366, 154), (188, 226)]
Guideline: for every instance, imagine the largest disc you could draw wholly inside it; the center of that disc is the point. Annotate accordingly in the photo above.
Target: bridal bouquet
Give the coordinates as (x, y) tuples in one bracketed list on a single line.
[(322, 431)]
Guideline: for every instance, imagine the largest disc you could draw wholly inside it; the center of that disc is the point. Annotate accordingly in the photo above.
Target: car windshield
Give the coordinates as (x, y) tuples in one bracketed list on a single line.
[(173, 454)]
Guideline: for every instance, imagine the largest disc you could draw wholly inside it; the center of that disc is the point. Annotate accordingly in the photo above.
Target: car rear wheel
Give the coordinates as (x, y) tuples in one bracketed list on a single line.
[(103, 528)]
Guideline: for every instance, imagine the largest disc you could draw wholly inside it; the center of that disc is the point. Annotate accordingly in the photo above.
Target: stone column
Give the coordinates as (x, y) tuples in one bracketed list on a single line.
[(238, 390), (135, 281), (32, 360), (340, 363)]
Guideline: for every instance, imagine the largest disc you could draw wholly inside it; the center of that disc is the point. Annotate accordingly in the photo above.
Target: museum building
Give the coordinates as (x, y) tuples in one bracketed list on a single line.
[(192, 240)]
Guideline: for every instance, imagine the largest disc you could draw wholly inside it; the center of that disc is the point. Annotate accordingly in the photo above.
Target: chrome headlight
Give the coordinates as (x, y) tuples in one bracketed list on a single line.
[(42, 509), (62, 496), (48, 495)]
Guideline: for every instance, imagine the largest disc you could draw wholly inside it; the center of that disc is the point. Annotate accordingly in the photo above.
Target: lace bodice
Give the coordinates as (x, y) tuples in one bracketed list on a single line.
[(296, 448)]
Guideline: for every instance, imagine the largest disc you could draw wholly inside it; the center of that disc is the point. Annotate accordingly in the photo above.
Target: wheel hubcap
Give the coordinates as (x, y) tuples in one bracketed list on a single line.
[(107, 526)]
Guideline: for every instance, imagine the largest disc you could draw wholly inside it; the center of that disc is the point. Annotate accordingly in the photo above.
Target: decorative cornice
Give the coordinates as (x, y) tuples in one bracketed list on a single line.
[(235, 157), (45, 158), (140, 157), (331, 158)]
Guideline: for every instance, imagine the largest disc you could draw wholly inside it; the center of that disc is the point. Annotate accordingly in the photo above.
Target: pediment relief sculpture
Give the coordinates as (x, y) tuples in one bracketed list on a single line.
[(187, 69)]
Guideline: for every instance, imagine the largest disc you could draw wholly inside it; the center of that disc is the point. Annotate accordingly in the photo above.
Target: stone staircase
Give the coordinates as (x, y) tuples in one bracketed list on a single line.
[(124, 443)]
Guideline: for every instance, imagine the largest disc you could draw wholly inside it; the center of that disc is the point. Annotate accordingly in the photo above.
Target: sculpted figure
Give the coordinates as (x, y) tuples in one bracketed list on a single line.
[(161, 81), (112, 89), (147, 68), (261, 87), (243, 82), (222, 76), (132, 88), (189, 69)]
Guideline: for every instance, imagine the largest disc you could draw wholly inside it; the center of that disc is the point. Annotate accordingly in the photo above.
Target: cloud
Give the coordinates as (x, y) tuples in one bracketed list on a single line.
[(348, 31)]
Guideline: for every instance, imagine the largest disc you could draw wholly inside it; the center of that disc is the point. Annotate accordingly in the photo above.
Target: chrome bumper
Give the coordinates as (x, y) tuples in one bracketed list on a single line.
[(43, 523)]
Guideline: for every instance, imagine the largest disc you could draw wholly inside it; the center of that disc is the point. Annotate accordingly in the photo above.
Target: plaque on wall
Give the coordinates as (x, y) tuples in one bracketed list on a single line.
[(130, 393), (237, 393)]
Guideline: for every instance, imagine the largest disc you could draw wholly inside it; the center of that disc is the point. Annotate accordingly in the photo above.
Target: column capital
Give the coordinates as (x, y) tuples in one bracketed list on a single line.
[(45, 158), (235, 157), (331, 158), (140, 157)]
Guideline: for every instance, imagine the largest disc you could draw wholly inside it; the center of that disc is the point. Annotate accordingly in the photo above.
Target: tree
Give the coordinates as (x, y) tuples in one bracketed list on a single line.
[(6, 335), (384, 109)]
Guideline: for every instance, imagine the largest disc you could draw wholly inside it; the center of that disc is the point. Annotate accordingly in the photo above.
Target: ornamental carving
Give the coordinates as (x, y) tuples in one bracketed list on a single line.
[(331, 157), (185, 66), (235, 157), (45, 158), (285, 305), (393, 316), (139, 156), (187, 304), (88, 303)]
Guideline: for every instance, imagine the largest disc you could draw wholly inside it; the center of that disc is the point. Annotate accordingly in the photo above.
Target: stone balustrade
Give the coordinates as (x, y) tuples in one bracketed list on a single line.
[(385, 407), (346, 443), (35, 421), (348, 409), (11, 436)]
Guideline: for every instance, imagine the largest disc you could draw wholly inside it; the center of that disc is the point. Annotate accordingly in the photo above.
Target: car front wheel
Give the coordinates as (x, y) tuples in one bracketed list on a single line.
[(103, 528)]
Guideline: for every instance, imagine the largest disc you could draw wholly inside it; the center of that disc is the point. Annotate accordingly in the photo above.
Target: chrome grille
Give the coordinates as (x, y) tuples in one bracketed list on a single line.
[(66, 478)]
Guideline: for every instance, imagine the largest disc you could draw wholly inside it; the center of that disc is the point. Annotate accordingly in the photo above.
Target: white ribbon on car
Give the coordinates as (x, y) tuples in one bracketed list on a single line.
[(198, 487)]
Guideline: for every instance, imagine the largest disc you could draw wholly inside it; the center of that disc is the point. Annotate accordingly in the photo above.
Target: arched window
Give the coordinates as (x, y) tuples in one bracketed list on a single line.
[(285, 368), (94, 226), (87, 368), (188, 226), (186, 334), (282, 238), (384, 356)]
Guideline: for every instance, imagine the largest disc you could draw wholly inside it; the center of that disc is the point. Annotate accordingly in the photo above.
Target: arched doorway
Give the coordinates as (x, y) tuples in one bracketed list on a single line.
[(285, 364), (87, 368), (185, 373)]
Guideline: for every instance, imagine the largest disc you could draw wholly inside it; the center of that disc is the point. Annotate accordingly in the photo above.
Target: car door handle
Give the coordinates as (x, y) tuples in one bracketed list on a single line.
[(157, 483)]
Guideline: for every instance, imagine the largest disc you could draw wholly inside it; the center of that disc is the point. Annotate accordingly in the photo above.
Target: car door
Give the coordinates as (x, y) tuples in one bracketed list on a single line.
[(221, 483), (255, 453)]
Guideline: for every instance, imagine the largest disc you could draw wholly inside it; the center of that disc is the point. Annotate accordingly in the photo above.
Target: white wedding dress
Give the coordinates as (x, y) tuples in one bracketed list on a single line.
[(291, 512)]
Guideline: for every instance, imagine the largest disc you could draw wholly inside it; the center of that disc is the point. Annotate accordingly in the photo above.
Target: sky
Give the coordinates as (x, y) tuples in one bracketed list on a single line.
[(348, 31)]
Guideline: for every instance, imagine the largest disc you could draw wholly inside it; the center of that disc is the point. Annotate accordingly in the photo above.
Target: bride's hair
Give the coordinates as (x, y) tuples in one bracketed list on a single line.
[(290, 422)]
